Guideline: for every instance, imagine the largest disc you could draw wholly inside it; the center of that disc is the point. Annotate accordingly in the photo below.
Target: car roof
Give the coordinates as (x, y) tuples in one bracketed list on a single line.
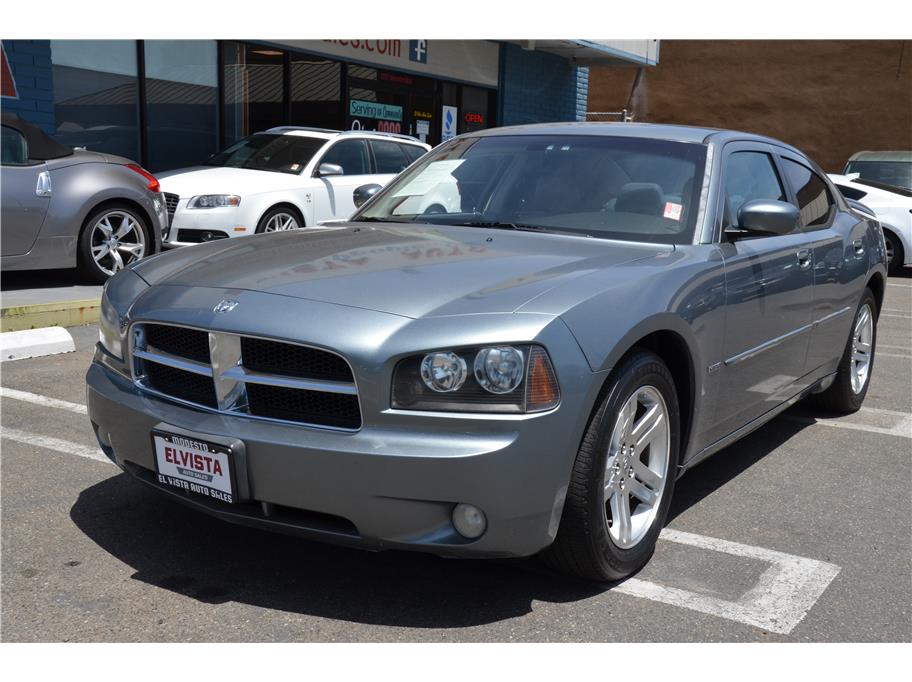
[(656, 131), (882, 156), (329, 134)]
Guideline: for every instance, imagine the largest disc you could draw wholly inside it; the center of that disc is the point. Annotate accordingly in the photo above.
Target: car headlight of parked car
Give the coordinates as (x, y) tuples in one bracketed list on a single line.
[(119, 293), (507, 378), (214, 201)]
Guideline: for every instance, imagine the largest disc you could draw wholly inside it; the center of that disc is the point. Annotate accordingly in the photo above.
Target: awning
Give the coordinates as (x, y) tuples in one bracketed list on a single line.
[(598, 52)]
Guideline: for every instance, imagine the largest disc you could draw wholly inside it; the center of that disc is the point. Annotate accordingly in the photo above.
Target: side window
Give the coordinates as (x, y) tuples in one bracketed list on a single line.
[(14, 148), (351, 155), (749, 176), (389, 156), (413, 152), (814, 200)]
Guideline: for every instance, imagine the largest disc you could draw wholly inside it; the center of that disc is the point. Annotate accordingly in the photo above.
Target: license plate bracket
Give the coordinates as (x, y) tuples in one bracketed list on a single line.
[(205, 466)]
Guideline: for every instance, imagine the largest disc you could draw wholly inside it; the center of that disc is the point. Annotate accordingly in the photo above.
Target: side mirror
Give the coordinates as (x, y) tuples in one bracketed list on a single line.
[(365, 192), (328, 169), (768, 217)]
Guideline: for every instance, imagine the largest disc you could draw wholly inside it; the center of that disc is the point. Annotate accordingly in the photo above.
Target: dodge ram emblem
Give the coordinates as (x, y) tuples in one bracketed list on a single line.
[(225, 306)]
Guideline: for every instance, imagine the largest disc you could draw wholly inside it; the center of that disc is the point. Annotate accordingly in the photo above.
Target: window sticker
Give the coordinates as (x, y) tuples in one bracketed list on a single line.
[(673, 210), (430, 177)]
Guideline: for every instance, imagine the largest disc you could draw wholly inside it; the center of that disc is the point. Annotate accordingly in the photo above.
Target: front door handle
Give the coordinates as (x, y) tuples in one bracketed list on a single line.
[(858, 245), (43, 188), (804, 259)]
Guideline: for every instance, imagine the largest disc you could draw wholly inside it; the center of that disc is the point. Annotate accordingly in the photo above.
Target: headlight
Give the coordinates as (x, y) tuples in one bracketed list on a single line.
[(214, 201), (499, 370), (118, 295), (511, 379), (443, 372)]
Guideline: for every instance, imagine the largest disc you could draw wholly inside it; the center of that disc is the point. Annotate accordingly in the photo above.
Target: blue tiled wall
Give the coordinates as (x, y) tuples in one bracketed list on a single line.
[(30, 64), (537, 87)]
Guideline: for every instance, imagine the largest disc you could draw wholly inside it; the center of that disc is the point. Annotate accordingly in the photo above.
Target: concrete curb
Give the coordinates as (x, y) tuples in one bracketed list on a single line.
[(34, 343), (59, 314)]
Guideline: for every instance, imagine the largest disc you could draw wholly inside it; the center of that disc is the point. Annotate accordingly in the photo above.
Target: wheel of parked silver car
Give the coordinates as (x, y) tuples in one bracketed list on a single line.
[(114, 237), (853, 375), (623, 477), (636, 469), (279, 219)]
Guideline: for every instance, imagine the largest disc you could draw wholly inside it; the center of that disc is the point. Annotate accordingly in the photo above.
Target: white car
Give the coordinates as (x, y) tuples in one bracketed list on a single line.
[(893, 208), (281, 179)]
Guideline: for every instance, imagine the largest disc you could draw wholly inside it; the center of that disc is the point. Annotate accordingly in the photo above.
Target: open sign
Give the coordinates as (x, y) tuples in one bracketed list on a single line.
[(474, 118)]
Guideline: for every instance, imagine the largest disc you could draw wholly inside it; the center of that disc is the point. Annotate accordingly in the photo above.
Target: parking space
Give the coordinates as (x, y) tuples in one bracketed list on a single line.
[(799, 532)]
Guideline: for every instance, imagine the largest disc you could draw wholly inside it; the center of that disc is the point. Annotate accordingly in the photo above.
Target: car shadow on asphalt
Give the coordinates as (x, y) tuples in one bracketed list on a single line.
[(184, 551)]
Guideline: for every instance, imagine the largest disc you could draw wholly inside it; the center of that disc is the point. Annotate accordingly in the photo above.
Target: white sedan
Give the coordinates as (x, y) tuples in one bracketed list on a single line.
[(893, 208), (281, 179)]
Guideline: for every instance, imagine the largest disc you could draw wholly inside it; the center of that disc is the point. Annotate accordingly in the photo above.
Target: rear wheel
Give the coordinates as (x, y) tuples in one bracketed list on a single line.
[(114, 237), (623, 478), (848, 390)]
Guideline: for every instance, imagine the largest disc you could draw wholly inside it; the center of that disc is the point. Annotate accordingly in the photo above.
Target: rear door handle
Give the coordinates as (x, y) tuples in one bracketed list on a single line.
[(804, 258), (858, 244)]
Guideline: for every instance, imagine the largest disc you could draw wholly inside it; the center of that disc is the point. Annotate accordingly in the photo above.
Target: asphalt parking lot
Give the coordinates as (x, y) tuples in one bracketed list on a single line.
[(800, 532)]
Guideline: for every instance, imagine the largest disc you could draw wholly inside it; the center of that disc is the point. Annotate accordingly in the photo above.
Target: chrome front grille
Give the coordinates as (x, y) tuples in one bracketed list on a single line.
[(245, 375)]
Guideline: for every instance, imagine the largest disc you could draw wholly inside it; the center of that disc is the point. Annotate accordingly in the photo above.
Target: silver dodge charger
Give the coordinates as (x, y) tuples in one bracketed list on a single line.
[(516, 347)]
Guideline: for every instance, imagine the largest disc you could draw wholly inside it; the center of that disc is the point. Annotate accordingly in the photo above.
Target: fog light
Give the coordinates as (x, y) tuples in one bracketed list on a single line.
[(469, 521)]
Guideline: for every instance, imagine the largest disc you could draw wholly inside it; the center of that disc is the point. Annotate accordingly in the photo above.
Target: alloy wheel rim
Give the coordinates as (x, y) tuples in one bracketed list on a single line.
[(281, 222), (636, 469), (862, 348), (117, 240)]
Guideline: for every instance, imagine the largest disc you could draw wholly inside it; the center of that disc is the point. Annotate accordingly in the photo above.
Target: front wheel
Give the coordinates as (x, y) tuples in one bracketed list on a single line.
[(623, 478), (895, 255), (279, 219), (849, 388)]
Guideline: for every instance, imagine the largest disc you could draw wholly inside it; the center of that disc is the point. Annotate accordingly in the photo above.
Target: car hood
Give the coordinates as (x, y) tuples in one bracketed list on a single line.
[(413, 271), (217, 180)]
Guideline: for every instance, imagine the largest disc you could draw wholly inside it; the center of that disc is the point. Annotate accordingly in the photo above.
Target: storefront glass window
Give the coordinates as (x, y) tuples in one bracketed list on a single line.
[(95, 95), (182, 99), (254, 93), (316, 92), (473, 115)]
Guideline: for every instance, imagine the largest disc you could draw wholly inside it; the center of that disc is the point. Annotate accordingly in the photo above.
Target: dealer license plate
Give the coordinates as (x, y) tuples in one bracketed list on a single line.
[(197, 466)]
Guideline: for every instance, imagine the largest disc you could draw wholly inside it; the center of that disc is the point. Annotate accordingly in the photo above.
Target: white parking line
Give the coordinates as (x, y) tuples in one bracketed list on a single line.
[(41, 400), (901, 427), (64, 446), (899, 286), (897, 310), (780, 599), (901, 317), (894, 355), (884, 345)]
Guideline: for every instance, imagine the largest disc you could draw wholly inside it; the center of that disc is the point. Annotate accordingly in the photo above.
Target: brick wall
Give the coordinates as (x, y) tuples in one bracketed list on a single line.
[(30, 65), (537, 87)]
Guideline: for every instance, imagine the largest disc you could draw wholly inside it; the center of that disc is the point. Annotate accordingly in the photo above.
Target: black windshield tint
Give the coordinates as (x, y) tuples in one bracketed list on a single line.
[(609, 187), (895, 173), (264, 151)]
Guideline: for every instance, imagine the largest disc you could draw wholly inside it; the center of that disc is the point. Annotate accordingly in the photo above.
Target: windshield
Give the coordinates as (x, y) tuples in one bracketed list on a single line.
[(894, 173), (608, 187), (268, 152)]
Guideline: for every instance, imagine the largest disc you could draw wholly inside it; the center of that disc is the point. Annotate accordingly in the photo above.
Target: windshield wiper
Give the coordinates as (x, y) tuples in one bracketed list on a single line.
[(500, 225)]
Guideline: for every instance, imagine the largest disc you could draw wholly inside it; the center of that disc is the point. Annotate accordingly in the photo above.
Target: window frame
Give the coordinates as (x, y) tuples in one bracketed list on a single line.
[(371, 166), (376, 164), (736, 147), (784, 156)]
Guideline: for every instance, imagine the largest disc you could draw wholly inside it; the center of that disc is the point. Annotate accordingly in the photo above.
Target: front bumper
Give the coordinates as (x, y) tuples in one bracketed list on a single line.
[(388, 485), (230, 221)]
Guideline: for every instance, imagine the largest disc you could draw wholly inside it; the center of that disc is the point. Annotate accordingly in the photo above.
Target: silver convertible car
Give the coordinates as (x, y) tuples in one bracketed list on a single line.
[(515, 347)]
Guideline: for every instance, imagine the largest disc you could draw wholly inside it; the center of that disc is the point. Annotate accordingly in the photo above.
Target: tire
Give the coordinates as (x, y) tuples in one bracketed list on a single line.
[(895, 253), (845, 395), (276, 220), (589, 545), (112, 237)]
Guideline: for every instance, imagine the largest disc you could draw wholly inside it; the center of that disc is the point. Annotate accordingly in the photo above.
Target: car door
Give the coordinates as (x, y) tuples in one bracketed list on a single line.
[(24, 203), (768, 295), (353, 157), (841, 250)]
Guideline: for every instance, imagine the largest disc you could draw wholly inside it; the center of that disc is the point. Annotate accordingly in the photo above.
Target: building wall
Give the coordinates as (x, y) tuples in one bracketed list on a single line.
[(30, 66), (828, 98), (537, 87)]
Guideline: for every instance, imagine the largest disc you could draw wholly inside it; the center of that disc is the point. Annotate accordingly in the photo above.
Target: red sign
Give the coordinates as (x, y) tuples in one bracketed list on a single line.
[(7, 82), (474, 118)]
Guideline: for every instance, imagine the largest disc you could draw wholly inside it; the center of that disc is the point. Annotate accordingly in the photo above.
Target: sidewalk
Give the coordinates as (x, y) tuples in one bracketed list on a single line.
[(47, 298)]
